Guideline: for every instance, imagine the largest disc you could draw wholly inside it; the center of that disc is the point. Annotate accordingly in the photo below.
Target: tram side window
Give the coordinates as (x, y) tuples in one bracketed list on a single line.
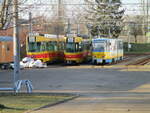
[(49, 46), (120, 45), (32, 47), (55, 46), (43, 46), (61, 45), (38, 46)]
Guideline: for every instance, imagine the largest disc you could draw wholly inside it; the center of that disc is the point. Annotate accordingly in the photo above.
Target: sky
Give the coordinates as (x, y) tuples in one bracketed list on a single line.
[(130, 1), (130, 6), (48, 9)]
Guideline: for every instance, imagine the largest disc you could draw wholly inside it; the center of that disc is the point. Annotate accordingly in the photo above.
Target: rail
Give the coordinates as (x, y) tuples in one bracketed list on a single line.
[(142, 61)]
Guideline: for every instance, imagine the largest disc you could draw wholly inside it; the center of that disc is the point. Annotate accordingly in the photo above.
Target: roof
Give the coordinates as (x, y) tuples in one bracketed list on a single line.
[(6, 38), (101, 39), (105, 39)]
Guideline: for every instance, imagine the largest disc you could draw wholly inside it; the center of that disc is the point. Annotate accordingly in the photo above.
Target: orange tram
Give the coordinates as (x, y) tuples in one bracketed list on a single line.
[(45, 47), (77, 50)]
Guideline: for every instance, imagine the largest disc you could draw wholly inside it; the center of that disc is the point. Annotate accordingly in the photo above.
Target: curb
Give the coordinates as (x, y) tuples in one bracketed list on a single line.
[(54, 104)]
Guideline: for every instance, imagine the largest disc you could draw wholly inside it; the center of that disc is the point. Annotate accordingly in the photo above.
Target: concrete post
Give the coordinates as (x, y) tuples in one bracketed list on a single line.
[(16, 42)]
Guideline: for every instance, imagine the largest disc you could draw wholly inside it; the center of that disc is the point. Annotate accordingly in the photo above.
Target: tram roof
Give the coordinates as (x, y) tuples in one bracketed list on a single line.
[(105, 39), (102, 39)]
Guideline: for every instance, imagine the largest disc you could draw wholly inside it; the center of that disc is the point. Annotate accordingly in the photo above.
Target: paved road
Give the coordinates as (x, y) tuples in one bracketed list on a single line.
[(102, 90), (84, 80), (104, 103)]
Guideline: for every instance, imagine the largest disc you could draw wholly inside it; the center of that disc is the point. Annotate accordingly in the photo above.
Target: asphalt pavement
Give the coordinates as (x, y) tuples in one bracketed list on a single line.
[(102, 90), (84, 80)]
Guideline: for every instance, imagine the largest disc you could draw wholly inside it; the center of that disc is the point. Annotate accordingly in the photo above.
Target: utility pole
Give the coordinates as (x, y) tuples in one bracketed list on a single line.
[(143, 14), (16, 42), (147, 13), (59, 14), (69, 27), (78, 29), (59, 9), (30, 22), (129, 32), (147, 2)]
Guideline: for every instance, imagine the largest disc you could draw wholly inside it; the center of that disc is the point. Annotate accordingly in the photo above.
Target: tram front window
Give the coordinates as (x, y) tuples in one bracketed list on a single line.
[(73, 47), (32, 47), (98, 46), (70, 47)]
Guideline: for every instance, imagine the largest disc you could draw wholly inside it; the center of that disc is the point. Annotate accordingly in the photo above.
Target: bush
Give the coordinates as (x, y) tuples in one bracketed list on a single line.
[(137, 47)]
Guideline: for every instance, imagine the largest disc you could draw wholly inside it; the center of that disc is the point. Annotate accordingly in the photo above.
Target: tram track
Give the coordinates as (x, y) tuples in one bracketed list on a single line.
[(141, 61), (133, 59)]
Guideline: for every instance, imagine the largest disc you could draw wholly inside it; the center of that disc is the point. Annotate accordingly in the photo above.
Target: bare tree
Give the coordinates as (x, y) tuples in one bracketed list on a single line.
[(136, 26), (5, 13)]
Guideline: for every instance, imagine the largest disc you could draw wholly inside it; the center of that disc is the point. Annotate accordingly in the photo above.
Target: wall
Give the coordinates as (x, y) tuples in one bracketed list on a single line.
[(6, 52)]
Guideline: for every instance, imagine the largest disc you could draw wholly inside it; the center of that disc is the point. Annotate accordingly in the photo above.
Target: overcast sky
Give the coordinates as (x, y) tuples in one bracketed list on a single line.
[(129, 6), (130, 1)]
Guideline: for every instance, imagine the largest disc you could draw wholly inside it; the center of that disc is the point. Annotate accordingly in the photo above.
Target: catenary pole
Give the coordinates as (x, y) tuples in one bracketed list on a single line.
[(30, 22), (16, 45), (147, 2)]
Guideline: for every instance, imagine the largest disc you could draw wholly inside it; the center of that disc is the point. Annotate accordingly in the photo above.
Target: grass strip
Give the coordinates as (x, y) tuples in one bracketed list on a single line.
[(19, 103)]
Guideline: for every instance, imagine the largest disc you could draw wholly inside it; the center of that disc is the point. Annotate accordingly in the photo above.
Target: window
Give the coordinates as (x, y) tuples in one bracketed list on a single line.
[(120, 45), (49, 46), (32, 47), (38, 47), (99, 46), (61, 46), (8, 48), (43, 46), (70, 47), (74, 47), (78, 47), (55, 46)]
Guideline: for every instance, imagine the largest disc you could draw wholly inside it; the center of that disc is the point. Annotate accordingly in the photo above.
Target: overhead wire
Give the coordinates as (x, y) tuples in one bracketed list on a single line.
[(46, 8)]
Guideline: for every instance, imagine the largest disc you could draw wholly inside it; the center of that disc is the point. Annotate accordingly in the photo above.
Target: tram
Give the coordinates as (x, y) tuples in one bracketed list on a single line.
[(45, 47), (105, 50), (77, 50)]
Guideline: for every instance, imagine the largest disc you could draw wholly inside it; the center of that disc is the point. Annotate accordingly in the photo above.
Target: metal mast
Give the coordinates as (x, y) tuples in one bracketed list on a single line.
[(16, 42)]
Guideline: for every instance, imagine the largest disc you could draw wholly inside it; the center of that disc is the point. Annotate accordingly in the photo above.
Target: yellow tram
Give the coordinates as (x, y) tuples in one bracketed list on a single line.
[(45, 47), (77, 50), (105, 50)]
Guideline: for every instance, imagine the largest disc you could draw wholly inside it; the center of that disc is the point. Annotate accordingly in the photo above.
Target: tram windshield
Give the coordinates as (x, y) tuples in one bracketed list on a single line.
[(98, 46), (73, 47)]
